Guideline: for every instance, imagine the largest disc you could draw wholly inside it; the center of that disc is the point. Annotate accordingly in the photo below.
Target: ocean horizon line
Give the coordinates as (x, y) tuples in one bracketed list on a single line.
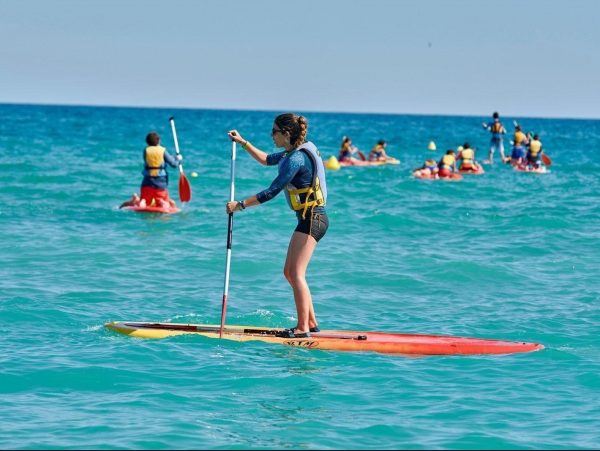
[(268, 110)]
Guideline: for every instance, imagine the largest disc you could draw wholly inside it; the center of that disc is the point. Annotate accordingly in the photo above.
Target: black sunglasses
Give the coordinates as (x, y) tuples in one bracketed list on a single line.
[(276, 130)]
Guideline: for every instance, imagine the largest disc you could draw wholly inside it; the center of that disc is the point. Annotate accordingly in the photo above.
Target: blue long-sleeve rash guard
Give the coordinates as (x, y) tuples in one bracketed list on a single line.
[(159, 181), (296, 168)]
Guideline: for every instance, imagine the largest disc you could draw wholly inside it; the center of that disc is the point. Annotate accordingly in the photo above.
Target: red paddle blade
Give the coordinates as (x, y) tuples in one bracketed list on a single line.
[(185, 190), (547, 160)]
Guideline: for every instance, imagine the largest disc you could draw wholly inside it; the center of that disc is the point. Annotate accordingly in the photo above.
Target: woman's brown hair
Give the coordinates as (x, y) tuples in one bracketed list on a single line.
[(295, 125)]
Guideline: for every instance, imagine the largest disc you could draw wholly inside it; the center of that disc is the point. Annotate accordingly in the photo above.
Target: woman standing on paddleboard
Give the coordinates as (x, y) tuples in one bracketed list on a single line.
[(302, 176)]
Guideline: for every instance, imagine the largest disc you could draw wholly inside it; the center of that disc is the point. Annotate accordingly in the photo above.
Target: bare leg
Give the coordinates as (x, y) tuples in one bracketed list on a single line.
[(134, 201), (299, 253)]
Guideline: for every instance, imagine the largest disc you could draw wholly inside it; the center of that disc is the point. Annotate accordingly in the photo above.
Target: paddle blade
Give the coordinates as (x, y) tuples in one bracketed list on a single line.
[(362, 156), (547, 160), (185, 190)]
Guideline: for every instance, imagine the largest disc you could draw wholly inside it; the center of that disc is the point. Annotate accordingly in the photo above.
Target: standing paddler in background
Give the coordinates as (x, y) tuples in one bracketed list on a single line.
[(302, 175), (497, 141), (154, 190)]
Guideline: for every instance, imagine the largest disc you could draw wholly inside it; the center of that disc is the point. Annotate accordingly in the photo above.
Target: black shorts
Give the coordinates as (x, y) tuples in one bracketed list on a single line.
[(316, 226)]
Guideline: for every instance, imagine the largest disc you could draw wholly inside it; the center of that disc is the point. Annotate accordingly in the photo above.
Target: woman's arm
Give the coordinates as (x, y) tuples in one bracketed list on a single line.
[(241, 205), (254, 151)]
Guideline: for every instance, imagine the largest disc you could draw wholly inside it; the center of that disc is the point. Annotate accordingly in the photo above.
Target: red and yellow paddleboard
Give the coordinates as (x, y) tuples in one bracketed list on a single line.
[(334, 340)]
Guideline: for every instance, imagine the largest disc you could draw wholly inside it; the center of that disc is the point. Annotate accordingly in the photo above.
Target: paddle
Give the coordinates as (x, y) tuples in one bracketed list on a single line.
[(229, 239), (185, 190), (546, 159)]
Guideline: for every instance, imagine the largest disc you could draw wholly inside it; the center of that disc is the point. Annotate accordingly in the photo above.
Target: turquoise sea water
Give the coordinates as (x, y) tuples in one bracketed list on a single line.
[(505, 255)]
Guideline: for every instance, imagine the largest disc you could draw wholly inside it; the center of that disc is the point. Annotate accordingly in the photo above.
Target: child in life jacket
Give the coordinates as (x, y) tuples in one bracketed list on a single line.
[(534, 153), (154, 189), (447, 164), (466, 157), (519, 142)]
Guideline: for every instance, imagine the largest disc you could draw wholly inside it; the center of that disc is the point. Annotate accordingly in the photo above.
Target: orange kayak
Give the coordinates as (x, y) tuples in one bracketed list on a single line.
[(334, 340)]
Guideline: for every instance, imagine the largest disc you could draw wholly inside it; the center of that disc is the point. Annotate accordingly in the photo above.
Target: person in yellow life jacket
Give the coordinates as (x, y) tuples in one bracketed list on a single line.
[(466, 157), (377, 153), (154, 189), (520, 142), (497, 141), (301, 176), (534, 154), (447, 164)]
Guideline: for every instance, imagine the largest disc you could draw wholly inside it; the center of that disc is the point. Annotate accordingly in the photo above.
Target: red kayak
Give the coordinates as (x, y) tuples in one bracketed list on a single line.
[(162, 210), (346, 163), (540, 170), (478, 171), (451, 178)]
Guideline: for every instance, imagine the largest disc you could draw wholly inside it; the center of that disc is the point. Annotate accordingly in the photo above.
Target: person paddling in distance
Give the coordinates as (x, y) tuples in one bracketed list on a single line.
[(377, 153), (302, 177), (497, 141), (348, 150), (534, 153), (447, 164), (520, 143), (466, 157), (154, 190)]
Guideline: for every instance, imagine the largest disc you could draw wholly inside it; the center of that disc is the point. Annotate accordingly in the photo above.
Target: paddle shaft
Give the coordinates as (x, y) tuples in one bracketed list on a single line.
[(229, 240), (172, 121), (185, 190)]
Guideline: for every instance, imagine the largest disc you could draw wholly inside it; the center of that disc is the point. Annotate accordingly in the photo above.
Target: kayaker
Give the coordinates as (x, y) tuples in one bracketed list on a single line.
[(466, 158), (377, 153), (520, 140), (534, 152), (302, 175), (447, 164), (154, 190), (347, 151), (497, 141)]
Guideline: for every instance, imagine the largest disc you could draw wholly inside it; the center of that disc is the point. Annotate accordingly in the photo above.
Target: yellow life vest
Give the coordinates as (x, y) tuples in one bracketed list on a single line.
[(448, 160), (496, 127), (155, 159), (311, 196), (519, 138), (534, 147), (467, 155)]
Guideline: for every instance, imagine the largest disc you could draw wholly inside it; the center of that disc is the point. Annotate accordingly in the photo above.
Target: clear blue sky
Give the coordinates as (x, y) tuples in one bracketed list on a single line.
[(520, 57)]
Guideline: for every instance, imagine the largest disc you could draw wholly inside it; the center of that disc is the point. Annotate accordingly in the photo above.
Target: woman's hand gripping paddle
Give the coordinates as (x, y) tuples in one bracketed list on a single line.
[(185, 190), (229, 240)]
